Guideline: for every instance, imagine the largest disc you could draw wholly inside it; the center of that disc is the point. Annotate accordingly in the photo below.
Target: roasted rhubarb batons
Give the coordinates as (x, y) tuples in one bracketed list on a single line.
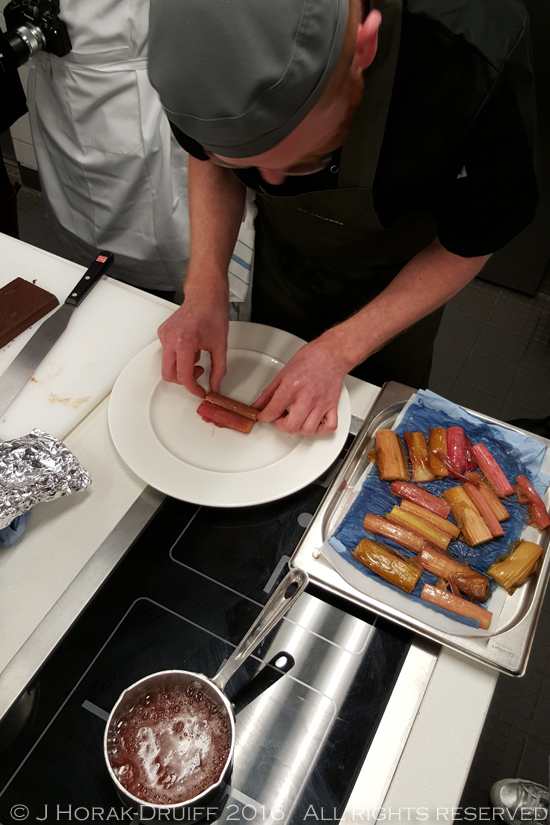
[(456, 447), (485, 510), (429, 532), (538, 514), (474, 529), (454, 604), (431, 518), (496, 505), (473, 584), (382, 527), (418, 456), (517, 566), (492, 472), (390, 457), (421, 497), (388, 564), (437, 443)]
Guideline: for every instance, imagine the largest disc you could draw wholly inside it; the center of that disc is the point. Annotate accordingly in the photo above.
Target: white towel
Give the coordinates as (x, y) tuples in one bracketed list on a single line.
[(242, 264)]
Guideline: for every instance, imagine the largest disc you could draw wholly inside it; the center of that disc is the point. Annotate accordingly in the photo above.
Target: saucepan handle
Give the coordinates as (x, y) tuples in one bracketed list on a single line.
[(275, 609)]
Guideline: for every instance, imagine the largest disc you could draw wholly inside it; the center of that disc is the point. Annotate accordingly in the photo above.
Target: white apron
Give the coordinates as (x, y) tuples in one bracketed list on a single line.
[(112, 174)]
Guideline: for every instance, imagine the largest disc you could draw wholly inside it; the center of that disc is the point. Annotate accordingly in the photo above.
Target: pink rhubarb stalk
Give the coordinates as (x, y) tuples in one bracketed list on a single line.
[(221, 417), (475, 585), (456, 605), (538, 514), (417, 495), (456, 447), (490, 497), (382, 527), (232, 405), (492, 471), (485, 510)]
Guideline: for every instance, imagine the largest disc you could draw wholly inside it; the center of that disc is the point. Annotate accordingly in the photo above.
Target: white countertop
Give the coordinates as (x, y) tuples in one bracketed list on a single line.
[(36, 571)]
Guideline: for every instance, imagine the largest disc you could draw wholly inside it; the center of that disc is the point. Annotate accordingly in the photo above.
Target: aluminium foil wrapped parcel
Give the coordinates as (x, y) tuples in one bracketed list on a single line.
[(34, 468)]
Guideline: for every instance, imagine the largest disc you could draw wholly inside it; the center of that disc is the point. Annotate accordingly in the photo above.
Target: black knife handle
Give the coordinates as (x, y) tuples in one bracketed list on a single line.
[(90, 278)]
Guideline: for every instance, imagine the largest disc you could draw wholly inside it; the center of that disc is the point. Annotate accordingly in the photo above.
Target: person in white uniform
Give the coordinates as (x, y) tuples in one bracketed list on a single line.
[(112, 175)]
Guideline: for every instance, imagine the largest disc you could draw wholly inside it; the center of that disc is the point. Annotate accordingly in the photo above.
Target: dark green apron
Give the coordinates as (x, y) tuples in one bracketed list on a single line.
[(322, 256)]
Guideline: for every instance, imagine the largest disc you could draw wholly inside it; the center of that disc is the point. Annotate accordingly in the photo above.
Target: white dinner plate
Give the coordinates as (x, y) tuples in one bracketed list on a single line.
[(156, 429)]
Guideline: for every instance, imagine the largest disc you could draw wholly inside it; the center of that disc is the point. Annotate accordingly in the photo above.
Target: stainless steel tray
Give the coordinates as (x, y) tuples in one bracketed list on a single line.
[(508, 648)]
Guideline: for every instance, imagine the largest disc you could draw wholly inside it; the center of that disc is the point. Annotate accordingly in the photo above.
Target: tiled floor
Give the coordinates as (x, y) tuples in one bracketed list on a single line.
[(492, 354)]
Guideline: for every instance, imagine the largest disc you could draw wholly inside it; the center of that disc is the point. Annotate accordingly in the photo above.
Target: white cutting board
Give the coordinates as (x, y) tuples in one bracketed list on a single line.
[(111, 325)]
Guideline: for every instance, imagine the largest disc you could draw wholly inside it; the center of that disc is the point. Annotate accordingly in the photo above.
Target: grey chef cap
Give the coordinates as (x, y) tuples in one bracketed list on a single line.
[(239, 75)]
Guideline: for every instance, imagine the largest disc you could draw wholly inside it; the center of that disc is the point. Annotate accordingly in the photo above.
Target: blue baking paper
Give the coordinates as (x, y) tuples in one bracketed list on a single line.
[(515, 453)]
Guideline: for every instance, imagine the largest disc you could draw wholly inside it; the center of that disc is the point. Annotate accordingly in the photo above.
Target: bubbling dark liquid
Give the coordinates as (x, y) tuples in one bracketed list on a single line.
[(170, 745)]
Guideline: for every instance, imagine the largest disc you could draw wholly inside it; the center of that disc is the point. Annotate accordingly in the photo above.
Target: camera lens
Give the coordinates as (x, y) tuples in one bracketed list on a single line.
[(25, 41)]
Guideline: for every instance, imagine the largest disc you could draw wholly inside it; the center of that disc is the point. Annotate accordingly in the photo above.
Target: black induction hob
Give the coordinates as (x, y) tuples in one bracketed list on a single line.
[(182, 597)]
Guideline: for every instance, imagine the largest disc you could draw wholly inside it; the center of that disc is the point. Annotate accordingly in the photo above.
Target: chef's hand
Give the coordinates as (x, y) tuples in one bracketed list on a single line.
[(303, 398), (200, 324)]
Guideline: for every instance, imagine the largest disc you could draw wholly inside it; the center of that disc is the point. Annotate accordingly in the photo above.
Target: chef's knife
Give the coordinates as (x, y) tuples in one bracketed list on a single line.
[(25, 363)]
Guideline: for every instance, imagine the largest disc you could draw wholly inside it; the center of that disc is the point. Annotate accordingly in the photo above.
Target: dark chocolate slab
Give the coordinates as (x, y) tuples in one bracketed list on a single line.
[(21, 305)]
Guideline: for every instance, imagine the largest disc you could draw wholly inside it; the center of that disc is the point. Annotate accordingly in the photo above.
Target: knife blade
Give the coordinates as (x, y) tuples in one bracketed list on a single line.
[(35, 350)]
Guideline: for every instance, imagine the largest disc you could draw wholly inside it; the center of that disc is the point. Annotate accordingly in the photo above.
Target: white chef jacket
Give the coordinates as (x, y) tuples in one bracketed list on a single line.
[(112, 174)]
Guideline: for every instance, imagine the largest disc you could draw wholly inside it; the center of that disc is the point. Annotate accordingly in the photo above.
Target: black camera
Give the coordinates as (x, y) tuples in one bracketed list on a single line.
[(33, 25)]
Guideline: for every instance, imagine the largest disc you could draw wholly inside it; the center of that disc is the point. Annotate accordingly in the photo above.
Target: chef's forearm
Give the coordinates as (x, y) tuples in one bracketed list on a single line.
[(429, 280), (216, 204)]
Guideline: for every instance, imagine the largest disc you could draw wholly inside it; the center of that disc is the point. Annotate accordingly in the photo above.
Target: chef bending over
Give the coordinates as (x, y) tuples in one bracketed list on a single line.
[(391, 150)]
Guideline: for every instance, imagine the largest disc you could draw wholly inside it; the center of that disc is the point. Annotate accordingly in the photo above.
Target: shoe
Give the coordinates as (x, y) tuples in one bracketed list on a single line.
[(539, 426), (517, 800)]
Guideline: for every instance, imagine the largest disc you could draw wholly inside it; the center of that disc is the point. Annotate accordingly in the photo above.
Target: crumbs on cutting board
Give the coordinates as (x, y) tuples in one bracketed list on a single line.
[(75, 403)]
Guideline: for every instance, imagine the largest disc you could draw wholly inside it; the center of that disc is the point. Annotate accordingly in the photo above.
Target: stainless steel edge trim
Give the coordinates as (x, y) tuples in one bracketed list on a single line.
[(378, 769), (30, 657), (355, 424)]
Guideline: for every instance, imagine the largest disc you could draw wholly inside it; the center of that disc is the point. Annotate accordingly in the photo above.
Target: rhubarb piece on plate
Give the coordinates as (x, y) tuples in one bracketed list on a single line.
[(538, 514), (435, 536), (220, 417), (382, 527), (467, 516), (391, 459), (421, 497), (232, 405), (454, 604), (473, 584), (517, 566), (418, 455), (388, 564), (491, 470), (437, 441)]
